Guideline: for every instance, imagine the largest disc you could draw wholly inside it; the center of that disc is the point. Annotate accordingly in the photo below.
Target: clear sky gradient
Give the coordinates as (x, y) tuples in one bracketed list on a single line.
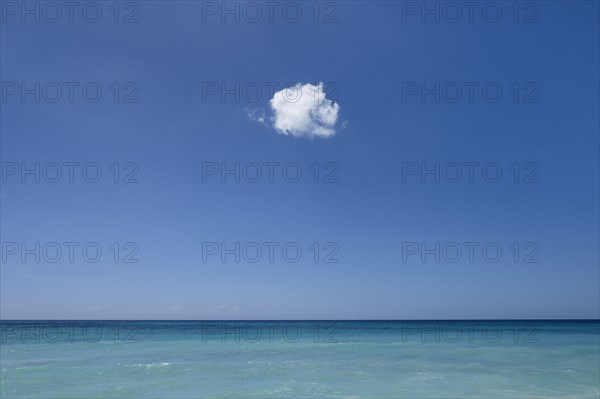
[(371, 56)]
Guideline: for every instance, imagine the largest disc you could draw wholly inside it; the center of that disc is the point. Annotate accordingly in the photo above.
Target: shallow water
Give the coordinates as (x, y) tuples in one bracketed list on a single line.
[(300, 359)]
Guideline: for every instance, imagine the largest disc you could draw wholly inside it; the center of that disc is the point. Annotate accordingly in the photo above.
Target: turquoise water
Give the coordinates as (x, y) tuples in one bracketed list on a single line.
[(492, 359)]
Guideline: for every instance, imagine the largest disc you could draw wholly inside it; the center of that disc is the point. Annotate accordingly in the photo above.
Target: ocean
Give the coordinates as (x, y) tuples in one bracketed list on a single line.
[(300, 359)]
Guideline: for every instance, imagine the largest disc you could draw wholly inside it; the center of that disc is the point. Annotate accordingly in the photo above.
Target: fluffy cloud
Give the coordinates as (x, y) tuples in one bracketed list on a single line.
[(302, 110)]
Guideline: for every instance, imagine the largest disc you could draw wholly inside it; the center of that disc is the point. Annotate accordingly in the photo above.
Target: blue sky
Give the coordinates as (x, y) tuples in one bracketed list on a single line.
[(370, 56)]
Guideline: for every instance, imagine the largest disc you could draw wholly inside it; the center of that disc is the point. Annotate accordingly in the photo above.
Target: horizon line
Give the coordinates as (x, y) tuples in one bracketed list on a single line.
[(289, 320)]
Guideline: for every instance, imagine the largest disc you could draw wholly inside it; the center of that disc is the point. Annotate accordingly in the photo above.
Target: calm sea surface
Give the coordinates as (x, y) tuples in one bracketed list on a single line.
[(300, 359)]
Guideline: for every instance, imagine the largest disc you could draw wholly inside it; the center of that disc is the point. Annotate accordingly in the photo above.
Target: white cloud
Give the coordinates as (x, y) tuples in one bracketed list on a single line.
[(301, 110), (256, 116)]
